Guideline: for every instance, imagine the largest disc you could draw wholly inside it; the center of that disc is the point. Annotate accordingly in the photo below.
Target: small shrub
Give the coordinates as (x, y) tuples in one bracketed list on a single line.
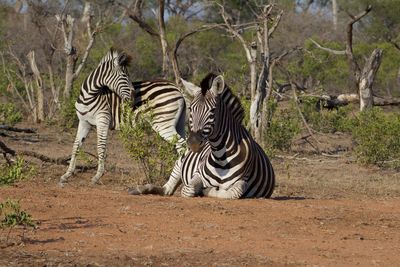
[(155, 155), (377, 138), (9, 114), (68, 114), (14, 173), (283, 126), (11, 215)]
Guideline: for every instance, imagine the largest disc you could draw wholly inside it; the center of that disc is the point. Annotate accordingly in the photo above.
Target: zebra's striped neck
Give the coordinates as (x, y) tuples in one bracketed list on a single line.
[(229, 142)]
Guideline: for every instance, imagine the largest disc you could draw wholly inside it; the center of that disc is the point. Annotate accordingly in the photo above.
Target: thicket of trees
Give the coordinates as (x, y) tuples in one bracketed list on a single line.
[(267, 50)]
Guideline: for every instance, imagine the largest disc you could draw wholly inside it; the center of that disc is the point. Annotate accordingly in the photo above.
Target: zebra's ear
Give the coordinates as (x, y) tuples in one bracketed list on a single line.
[(218, 85), (124, 59), (190, 88)]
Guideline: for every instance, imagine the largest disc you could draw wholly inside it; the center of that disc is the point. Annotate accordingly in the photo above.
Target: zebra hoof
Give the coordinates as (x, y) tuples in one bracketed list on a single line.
[(134, 191), (64, 178), (62, 184), (95, 182)]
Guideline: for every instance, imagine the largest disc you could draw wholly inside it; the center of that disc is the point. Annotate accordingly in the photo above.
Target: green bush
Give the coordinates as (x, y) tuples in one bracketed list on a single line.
[(9, 114), (155, 155), (326, 121), (11, 215), (16, 172), (377, 138), (283, 126)]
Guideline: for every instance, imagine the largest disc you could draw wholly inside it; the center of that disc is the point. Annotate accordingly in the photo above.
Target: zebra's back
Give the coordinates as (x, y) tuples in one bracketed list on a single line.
[(165, 102)]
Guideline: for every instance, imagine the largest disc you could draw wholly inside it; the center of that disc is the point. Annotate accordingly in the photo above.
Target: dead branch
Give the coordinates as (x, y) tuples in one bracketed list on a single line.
[(6, 149), (276, 23), (296, 101), (182, 38), (87, 17), (310, 131), (135, 14), (349, 43), (396, 45), (336, 52)]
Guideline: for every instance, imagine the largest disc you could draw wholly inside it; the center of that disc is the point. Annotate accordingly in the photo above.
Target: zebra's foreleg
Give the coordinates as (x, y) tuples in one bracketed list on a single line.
[(102, 134), (194, 188), (81, 134), (234, 192), (175, 179)]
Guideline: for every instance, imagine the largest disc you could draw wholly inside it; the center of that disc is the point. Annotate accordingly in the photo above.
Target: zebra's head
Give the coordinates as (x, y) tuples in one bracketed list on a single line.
[(114, 74), (203, 109)]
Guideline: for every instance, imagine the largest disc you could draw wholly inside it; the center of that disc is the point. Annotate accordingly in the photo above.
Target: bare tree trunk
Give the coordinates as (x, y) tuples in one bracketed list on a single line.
[(39, 87), (55, 91), (255, 96), (259, 89), (259, 105), (334, 14), (355, 68), (398, 78), (69, 74), (163, 39), (70, 51), (67, 27), (367, 78)]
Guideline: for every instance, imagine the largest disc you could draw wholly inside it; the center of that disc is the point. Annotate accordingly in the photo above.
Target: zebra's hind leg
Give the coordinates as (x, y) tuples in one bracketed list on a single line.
[(102, 135), (81, 134), (234, 192)]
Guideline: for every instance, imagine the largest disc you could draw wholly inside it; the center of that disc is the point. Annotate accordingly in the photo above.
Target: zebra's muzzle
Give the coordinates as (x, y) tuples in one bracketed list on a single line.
[(195, 141)]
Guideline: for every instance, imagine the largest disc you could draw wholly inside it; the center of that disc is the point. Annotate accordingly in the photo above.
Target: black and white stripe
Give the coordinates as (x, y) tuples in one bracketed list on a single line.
[(99, 104), (224, 161)]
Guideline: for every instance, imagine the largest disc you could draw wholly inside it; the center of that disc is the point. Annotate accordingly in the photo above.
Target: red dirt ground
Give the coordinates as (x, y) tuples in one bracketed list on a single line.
[(326, 211)]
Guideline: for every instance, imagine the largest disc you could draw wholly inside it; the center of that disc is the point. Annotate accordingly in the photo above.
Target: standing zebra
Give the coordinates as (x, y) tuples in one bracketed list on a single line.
[(224, 161), (99, 104)]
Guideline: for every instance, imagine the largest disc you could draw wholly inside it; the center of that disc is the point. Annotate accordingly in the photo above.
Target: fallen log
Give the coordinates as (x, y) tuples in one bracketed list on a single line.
[(19, 130), (58, 161), (333, 102)]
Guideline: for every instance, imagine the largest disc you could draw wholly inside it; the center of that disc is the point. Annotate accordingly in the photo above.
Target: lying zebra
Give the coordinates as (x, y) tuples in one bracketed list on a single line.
[(99, 104), (224, 161)]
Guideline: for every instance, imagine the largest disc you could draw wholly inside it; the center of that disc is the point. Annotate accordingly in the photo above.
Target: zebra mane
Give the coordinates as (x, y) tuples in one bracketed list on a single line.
[(123, 58), (231, 100)]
